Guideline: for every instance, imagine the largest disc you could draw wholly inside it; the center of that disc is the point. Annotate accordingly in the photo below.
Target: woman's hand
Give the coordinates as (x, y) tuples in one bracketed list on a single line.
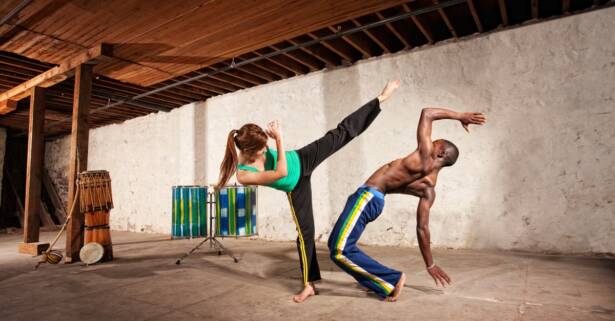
[(273, 130)]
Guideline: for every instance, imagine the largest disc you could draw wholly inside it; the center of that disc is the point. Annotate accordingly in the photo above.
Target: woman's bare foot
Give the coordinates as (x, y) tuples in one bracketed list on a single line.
[(398, 287), (307, 292)]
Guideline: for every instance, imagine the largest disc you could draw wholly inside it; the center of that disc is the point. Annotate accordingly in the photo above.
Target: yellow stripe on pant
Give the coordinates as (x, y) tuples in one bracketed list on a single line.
[(301, 241), (341, 244)]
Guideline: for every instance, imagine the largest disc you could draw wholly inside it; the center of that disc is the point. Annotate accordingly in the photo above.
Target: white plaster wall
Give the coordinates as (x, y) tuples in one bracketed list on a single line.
[(2, 152), (537, 177)]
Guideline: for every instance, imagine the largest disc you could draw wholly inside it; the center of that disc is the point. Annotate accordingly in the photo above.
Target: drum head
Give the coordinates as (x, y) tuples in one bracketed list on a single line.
[(91, 253)]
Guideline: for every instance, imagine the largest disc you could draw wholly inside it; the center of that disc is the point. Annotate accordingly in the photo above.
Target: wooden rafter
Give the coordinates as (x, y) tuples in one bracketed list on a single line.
[(353, 43), (57, 74), (394, 31), (338, 51), (229, 79), (565, 6), (263, 69), (448, 23), (257, 72), (474, 13), (285, 63), (534, 9), (245, 77), (294, 56), (504, 13), (326, 59), (373, 37), (419, 25), (270, 66)]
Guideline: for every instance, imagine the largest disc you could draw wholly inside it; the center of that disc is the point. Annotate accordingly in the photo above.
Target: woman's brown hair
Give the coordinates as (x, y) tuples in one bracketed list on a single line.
[(250, 139)]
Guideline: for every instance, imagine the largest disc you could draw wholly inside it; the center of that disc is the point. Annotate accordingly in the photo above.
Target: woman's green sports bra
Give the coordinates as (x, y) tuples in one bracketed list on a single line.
[(293, 167)]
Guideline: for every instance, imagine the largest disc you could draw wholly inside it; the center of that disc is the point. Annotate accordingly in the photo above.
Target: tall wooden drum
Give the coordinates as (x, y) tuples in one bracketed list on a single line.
[(96, 202)]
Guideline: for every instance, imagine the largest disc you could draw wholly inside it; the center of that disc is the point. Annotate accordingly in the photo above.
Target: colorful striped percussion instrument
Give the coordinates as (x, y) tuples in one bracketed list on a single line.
[(236, 211), (96, 201), (189, 212)]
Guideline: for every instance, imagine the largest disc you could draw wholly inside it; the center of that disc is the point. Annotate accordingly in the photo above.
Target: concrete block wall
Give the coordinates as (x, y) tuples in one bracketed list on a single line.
[(537, 177)]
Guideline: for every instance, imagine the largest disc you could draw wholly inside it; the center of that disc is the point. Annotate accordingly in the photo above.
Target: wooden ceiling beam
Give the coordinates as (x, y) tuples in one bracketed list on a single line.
[(394, 31), (351, 42), (285, 62), (223, 85), (371, 36), (448, 23), (7, 106), (268, 65), (294, 56), (342, 52), (534, 9), (426, 33), (565, 6), (229, 79), (256, 71), (245, 77), (324, 58), (59, 73), (504, 13), (261, 69), (474, 13)]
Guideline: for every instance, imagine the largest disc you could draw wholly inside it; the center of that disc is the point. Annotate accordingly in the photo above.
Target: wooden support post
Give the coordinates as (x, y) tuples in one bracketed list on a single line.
[(78, 156), (34, 172)]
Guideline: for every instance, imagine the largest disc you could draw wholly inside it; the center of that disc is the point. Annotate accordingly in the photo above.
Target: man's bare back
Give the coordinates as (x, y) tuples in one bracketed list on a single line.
[(404, 176)]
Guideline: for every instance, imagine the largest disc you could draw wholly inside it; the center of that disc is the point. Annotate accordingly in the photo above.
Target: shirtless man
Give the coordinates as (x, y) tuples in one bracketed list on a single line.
[(415, 174)]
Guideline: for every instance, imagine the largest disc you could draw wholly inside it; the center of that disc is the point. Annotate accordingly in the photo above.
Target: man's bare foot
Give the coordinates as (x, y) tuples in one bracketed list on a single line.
[(398, 287), (307, 292)]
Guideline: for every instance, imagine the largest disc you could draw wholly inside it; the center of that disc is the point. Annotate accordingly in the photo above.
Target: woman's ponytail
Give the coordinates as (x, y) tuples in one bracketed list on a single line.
[(229, 163)]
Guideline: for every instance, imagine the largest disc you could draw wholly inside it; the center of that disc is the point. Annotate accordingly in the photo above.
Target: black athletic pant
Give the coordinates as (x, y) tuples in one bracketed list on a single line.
[(301, 197)]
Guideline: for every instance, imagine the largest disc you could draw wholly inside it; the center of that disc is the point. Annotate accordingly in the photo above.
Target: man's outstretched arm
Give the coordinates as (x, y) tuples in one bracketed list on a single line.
[(428, 115), (422, 233)]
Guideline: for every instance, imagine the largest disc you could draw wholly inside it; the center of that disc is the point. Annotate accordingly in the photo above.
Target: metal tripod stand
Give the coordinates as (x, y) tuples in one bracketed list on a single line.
[(213, 242)]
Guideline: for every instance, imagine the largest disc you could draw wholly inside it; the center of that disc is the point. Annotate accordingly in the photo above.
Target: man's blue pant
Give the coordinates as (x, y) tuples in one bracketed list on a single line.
[(362, 207)]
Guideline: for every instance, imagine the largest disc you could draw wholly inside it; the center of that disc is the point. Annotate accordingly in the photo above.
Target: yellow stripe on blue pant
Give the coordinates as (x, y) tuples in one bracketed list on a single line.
[(362, 207)]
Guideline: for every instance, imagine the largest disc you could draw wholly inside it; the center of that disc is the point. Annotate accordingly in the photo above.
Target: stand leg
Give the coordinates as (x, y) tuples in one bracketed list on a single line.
[(214, 243), (179, 261), (221, 248)]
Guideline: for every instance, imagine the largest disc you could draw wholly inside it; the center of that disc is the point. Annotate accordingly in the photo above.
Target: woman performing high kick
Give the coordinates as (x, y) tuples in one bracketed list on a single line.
[(291, 171)]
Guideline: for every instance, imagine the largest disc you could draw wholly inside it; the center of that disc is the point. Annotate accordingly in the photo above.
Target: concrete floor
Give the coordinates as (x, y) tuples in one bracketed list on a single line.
[(143, 283)]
